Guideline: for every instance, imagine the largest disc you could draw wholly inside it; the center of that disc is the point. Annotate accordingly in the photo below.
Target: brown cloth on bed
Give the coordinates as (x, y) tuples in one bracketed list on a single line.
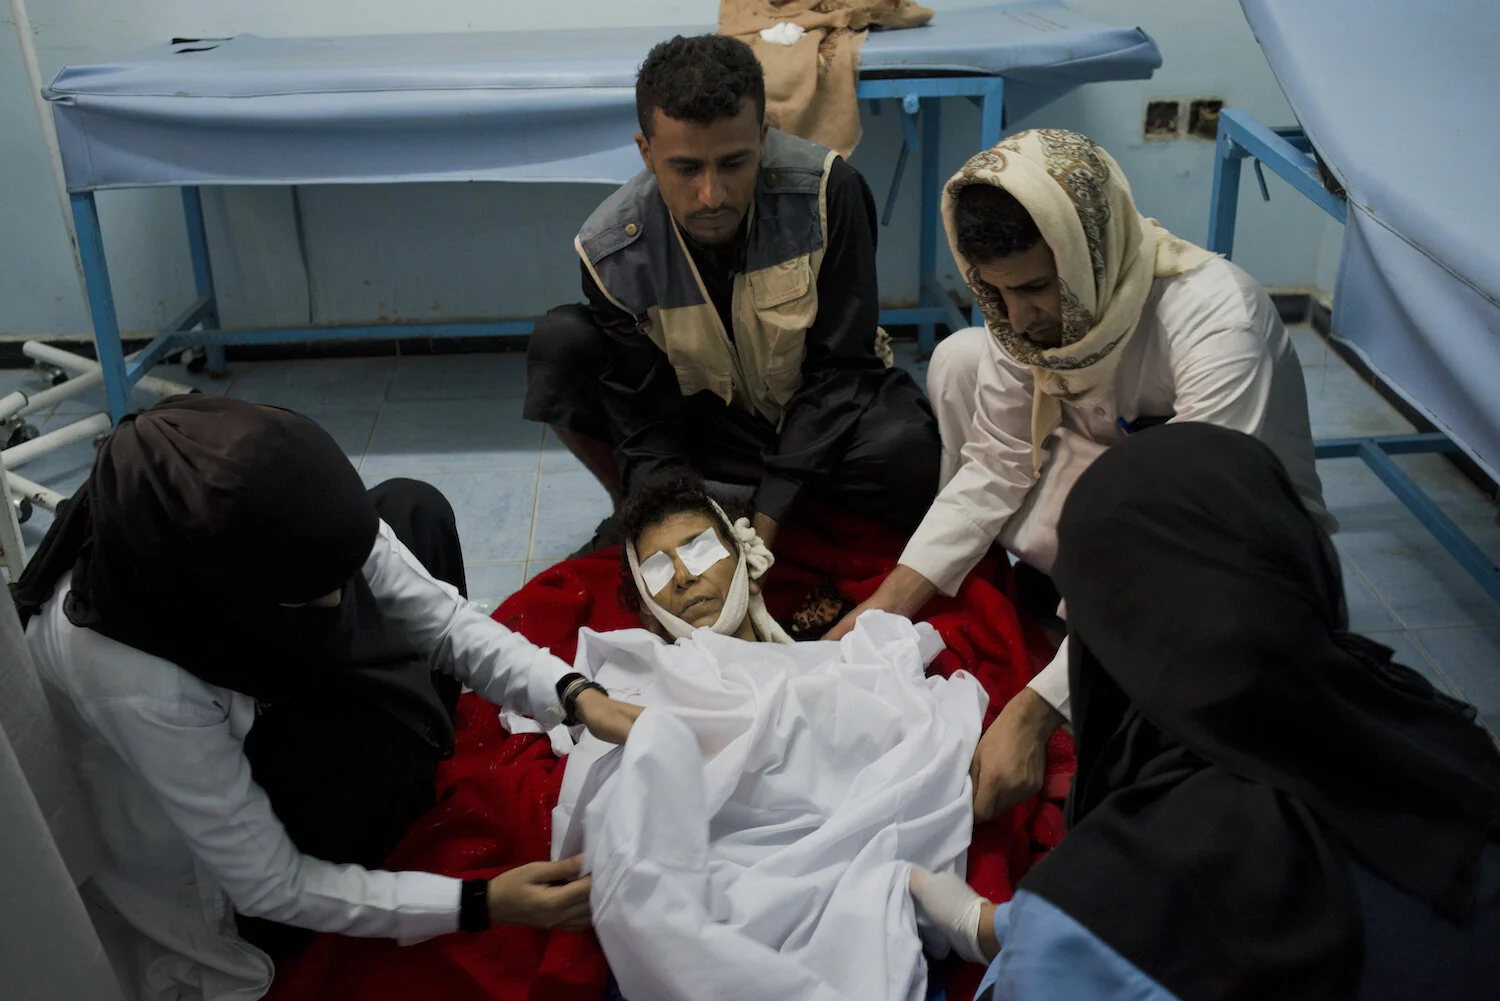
[(810, 85)]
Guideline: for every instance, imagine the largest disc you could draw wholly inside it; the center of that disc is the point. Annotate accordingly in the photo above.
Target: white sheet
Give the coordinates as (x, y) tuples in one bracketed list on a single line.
[(752, 838)]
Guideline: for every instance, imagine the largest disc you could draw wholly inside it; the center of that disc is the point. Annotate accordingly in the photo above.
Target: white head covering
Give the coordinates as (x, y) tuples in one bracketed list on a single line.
[(754, 560), (1107, 255)]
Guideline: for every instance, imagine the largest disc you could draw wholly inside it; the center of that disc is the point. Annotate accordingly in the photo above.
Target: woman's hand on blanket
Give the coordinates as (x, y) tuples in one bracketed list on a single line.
[(964, 918), (605, 718), (903, 592), (542, 895), (1011, 759)]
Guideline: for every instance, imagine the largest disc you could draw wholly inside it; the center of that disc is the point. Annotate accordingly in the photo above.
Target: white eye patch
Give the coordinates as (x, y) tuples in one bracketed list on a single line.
[(658, 572), (703, 552)]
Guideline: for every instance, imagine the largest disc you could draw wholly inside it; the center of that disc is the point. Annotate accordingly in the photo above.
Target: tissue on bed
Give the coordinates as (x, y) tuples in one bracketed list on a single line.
[(783, 33)]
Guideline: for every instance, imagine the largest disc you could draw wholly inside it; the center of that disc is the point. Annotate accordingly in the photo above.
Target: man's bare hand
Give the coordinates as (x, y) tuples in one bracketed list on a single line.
[(765, 527), (1011, 759), (903, 592)]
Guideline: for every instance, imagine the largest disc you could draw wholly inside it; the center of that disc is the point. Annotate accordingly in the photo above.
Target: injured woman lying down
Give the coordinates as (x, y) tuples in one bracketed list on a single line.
[(755, 836), (686, 564)]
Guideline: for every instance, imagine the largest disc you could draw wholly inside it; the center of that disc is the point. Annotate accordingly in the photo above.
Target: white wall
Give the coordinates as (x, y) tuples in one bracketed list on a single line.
[(417, 253), (1208, 51)]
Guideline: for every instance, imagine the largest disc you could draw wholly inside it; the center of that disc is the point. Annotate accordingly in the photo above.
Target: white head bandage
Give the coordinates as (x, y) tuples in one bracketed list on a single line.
[(705, 550)]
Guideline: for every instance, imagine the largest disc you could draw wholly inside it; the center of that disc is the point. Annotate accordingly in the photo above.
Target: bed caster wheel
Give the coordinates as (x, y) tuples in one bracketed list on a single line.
[(195, 360), (23, 509), (16, 433), (53, 375)]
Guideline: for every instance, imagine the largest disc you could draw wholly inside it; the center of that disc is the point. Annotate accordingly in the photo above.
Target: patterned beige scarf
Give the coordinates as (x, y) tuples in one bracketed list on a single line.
[(1107, 255)]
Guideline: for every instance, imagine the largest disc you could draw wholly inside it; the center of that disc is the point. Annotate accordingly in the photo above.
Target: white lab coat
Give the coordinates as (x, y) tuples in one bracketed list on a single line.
[(1210, 347), (189, 839), (753, 838)]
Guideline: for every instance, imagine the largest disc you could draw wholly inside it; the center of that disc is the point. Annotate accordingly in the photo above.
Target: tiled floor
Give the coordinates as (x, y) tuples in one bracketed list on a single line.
[(524, 503)]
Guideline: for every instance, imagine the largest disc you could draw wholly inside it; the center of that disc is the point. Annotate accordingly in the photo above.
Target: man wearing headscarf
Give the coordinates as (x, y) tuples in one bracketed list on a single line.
[(1098, 324), (240, 643), (1308, 821)]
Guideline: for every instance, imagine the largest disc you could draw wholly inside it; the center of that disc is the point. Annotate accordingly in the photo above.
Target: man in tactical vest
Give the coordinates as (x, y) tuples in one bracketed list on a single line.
[(731, 315)]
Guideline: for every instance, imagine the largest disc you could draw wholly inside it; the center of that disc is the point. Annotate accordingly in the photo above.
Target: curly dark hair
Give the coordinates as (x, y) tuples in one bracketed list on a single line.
[(700, 79), (676, 491), (990, 223)]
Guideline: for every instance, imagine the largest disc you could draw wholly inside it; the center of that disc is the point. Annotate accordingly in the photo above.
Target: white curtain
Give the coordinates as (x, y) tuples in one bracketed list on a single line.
[(48, 948)]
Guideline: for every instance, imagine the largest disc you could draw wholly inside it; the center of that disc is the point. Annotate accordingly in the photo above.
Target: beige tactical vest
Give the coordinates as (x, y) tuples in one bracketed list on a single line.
[(639, 259)]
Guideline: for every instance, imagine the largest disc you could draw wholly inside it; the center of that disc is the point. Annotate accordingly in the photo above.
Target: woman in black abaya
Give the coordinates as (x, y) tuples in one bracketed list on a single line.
[(1266, 806), (241, 643)]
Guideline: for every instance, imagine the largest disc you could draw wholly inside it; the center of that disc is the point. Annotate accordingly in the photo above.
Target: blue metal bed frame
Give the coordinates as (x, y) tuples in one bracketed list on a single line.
[(198, 324), (1288, 152)]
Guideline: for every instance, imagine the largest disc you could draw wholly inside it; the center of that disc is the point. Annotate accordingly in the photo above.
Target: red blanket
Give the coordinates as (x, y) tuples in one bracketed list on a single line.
[(496, 794)]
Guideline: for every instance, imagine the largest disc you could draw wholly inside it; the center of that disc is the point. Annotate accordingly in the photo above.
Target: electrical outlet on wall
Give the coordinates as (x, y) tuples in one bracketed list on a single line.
[(1203, 118), (1163, 119)]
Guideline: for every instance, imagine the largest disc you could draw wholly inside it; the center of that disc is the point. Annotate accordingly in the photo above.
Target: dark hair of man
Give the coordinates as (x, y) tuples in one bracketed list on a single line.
[(990, 223), (699, 79), (676, 491)]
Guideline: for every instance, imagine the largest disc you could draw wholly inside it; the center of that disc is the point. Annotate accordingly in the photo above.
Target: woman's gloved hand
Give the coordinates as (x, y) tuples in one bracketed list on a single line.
[(956, 912)]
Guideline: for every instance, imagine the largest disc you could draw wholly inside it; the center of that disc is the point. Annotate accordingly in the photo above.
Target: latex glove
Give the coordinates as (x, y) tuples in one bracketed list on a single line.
[(952, 908)]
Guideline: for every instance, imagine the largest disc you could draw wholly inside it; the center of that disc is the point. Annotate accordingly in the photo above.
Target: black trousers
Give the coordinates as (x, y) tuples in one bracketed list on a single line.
[(344, 778), (888, 472)]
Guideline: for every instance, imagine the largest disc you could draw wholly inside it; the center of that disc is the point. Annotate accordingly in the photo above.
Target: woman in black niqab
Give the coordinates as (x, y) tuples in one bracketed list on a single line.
[(228, 537), (1266, 806)]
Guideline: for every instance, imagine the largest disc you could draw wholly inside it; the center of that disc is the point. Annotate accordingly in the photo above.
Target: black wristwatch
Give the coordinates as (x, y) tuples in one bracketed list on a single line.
[(474, 905), (569, 687)]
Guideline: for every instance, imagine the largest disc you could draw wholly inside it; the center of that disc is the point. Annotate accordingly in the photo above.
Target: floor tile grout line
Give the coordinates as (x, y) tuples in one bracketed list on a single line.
[(1466, 625), (1390, 607), (536, 497), (1390, 610), (1422, 649), (369, 437)]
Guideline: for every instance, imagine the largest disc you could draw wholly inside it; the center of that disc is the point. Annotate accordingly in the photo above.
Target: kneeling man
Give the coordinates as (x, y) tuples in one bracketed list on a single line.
[(731, 316), (1099, 324)]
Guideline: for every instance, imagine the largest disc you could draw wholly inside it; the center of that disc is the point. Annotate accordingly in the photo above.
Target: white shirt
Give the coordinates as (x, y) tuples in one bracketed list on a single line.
[(1210, 347), (189, 838)]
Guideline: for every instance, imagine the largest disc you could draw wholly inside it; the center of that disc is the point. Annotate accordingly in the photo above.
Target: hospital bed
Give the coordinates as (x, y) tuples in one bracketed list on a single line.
[(507, 106), (1397, 100)]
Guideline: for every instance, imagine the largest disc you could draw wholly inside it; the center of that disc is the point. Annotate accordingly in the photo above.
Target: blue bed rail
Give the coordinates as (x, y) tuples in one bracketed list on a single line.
[(1289, 154)]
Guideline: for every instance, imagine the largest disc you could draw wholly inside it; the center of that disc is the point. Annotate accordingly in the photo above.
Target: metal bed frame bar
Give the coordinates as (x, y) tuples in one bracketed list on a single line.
[(1288, 153), (198, 324)]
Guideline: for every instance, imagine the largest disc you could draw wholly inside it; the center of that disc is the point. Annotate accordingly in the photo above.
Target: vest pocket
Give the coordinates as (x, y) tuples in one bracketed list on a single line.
[(780, 284), (694, 378), (784, 303)]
